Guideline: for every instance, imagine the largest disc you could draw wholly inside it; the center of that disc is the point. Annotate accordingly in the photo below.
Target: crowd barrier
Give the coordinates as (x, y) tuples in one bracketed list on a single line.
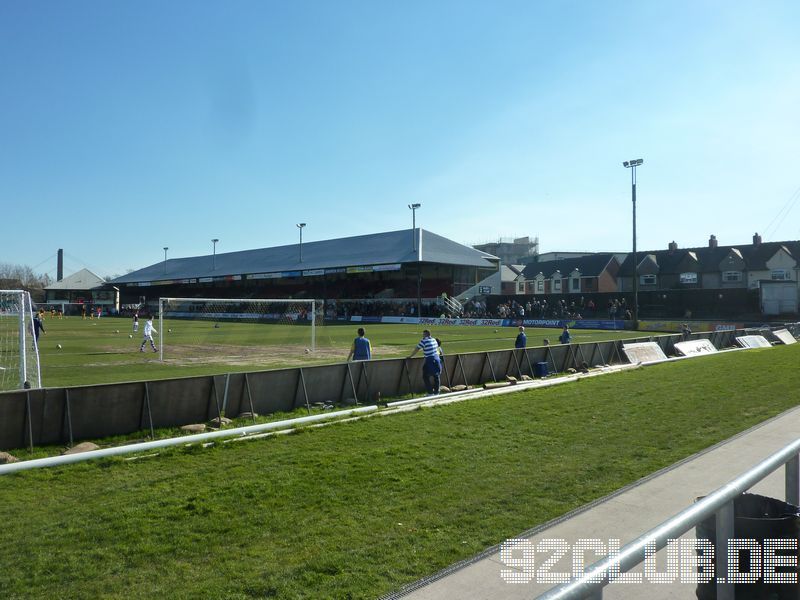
[(66, 415)]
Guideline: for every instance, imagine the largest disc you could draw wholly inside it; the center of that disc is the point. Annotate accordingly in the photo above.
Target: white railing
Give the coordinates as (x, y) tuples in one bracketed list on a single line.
[(718, 504), (454, 307)]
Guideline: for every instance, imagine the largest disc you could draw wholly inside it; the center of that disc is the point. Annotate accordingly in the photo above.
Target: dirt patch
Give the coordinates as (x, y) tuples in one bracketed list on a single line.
[(241, 356), (284, 355)]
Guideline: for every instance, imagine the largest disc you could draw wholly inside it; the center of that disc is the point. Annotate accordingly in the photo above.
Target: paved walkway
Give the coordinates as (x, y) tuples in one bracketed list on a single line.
[(629, 514)]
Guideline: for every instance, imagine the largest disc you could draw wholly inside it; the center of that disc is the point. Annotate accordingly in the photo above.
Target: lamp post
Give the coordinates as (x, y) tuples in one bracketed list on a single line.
[(214, 254), (300, 227), (414, 208), (165, 259), (632, 164)]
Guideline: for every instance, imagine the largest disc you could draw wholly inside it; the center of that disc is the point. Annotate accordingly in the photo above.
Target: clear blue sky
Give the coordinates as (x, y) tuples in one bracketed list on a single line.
[(129, 126)]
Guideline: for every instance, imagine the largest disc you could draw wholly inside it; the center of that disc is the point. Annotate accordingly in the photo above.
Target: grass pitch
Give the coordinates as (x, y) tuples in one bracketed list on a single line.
[(101, 351), (357, 509)]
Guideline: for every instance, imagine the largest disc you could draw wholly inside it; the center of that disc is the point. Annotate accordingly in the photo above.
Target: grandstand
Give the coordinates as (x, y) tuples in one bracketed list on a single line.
[(407, 268)]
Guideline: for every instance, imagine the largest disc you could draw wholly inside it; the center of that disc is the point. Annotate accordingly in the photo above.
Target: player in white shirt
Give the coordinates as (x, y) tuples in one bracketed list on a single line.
[(149, 330)]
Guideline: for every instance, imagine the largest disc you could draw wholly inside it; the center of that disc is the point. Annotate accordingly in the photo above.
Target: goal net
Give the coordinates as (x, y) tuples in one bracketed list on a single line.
[(234, 331), (19, 352)]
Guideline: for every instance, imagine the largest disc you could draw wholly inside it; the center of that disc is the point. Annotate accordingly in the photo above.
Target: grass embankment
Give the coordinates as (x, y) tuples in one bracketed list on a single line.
[(101, 351), (355, 510)]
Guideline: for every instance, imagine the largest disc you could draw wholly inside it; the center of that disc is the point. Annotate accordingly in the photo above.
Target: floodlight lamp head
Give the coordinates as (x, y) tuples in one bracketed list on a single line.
[(301, 225), (166, 248), (215, 240), (414, 206)]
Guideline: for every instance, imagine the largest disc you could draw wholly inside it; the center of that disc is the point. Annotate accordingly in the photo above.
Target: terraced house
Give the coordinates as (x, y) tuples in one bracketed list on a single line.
[(770, 268), (587, 274)]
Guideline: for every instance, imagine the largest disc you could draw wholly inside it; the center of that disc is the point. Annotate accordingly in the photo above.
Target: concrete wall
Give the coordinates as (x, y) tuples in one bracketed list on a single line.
[(67, 415)]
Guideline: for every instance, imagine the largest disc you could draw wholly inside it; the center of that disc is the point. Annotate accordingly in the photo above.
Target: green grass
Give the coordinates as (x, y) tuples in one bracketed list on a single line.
[(93, 352), (355, 510)]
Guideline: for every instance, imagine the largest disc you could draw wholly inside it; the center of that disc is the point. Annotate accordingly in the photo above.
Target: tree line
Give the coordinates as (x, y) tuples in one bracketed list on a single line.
[(23, 276)]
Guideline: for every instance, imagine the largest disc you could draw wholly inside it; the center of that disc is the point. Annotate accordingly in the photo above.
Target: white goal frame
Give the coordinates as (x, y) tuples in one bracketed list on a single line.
[(161, 301), (25, 318)]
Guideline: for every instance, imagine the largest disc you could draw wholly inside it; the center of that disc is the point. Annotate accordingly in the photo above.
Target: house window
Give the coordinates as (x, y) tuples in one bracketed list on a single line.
[(688, 277), (556, 285), (576, 284), (731, 276), (521, 287), (780, 275), (647, 279), (540, 285)]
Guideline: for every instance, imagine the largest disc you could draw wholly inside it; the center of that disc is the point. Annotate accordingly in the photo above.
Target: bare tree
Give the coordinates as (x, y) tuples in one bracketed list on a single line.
[(24, 275)]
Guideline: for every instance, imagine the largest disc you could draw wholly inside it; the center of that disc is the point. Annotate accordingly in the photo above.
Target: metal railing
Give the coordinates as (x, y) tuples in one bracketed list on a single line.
[(453, 306), (718, 504)]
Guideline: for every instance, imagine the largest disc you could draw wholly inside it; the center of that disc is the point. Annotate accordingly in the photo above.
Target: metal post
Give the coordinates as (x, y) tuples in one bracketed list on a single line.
[(214, 255), (305, 391), (792, 479), (487, 359), (408, 378), (225, 393), (635, 256), (28, 418), (68, 416), (414, 208), (23, 359), (463, 372), (300, 227), (418, 254), (250, 397), (528, 360), (216, 401), (352, 383), (632, 164), (447, 373), (149, 410), (38, 366), (724, 525), (165, 259)]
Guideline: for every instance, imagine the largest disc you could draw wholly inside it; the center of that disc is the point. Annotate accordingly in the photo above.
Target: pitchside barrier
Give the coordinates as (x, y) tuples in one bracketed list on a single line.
[(66, 415)]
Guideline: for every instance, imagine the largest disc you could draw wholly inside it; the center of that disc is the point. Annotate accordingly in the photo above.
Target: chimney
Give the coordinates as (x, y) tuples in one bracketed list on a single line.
[(60, 265), (712, 241), (672, 246), (756, 239)]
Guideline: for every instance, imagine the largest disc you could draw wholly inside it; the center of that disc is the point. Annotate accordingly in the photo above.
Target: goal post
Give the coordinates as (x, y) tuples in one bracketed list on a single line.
[(231, 326), (19, 350)]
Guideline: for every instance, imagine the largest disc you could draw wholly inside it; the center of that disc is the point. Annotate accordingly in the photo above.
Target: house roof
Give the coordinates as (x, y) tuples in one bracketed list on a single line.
[(709, 259), (373, 249), (81, 280), (590, 265)]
